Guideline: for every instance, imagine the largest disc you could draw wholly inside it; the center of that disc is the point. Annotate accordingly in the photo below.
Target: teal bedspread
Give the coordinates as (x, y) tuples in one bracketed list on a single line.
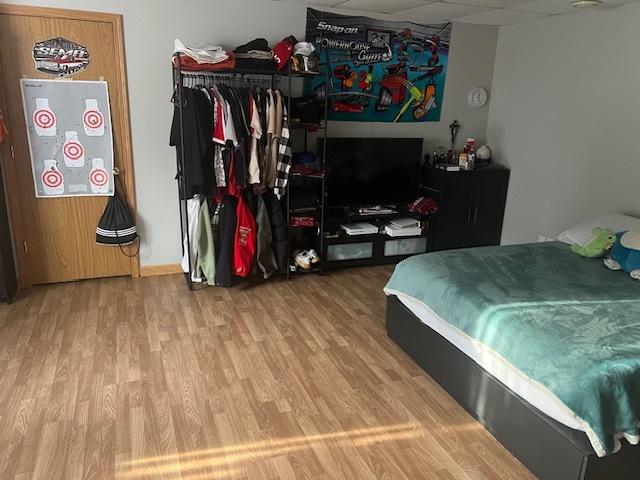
[(563, 321)]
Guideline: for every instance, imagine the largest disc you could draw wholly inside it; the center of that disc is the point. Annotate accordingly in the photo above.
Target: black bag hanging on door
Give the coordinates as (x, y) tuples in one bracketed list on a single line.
[(116, 226)]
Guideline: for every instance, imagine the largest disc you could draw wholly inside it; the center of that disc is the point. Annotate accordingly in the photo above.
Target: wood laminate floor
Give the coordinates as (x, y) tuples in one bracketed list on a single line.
[(141, 379)]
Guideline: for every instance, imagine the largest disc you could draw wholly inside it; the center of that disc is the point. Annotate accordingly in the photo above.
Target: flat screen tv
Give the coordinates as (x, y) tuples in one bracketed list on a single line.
[(371, 171)]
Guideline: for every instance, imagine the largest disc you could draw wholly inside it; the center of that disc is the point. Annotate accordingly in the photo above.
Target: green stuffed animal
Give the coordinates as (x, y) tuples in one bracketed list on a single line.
[(601, 241)]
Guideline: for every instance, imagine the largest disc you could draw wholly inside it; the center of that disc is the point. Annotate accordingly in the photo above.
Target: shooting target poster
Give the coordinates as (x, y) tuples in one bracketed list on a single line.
[(379, 71), (70, 138)]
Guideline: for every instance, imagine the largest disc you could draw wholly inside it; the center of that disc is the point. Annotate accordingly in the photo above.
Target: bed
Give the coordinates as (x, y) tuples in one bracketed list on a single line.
[(538, 344)]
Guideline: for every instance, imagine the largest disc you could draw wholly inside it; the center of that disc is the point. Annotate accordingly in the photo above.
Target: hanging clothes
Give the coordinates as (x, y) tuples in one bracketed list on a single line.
[(274, 130), (244, 247), (226, 225), (238, 127), (206, 262), (284, 157), (201, 242), (237, 158), (260, 96), (197, 117), (271, 131), (218, 135), (265, 259), (256, 134), (278, 231), (193, 219)]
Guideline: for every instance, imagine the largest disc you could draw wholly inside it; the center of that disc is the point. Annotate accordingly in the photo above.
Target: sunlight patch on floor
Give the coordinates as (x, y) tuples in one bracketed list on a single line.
[(225, 460)]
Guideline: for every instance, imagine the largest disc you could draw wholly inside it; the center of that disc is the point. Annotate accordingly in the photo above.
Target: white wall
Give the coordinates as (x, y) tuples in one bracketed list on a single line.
[(150, 28), (565, 115)]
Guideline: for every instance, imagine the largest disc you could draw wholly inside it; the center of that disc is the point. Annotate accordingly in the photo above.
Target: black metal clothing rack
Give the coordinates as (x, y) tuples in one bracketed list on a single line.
[(234, 77)]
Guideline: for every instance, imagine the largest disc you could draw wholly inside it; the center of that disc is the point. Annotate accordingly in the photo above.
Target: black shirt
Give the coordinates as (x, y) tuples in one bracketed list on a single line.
[(197, 116)]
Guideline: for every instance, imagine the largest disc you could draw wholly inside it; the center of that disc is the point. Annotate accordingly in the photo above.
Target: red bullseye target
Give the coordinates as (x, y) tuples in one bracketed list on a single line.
[(73, 150), (44, 118), (93, 119), (52, 178), (99, 178)]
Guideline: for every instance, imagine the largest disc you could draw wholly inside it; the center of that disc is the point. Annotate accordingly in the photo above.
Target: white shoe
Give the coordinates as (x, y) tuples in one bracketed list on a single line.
[(313, 256), (303, 260)]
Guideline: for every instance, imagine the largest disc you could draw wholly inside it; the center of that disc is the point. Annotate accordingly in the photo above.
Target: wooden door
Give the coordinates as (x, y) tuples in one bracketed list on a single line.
[(55, 237)]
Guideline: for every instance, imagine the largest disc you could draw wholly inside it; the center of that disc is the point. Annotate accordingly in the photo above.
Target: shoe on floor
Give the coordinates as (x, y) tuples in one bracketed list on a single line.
[(303, 260), (313, 256)]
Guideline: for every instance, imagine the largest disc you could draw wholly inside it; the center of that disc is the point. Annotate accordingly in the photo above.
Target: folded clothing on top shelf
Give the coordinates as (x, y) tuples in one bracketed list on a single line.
[(255, 55), (205, 54), (255, 45), (189, 64)]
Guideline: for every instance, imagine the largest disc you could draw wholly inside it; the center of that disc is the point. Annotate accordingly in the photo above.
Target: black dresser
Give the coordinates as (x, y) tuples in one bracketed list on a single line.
[(471, 206)]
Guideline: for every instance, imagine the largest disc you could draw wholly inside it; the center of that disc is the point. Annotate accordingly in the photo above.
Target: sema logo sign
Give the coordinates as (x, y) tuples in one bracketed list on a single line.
[(59, 56)]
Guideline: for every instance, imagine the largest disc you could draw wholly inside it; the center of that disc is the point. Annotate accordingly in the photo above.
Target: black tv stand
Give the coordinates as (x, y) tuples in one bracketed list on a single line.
[(374, 210), (342, 250)]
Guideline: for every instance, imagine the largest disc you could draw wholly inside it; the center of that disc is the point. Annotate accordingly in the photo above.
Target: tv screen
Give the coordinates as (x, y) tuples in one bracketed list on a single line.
[(371, 171)]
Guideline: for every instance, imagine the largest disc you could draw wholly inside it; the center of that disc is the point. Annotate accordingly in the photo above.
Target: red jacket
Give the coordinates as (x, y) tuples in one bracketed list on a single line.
[(244, 245)]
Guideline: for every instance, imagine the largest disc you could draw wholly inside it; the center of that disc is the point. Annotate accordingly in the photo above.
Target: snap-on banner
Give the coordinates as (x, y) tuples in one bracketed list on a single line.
[(378, 70), (70, 138)]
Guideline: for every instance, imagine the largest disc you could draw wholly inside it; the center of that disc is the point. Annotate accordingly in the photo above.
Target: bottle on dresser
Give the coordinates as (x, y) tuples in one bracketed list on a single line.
[(467, 157)]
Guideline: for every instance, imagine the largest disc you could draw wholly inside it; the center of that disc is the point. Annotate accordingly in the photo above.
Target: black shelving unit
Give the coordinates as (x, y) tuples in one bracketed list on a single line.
[(317, 210), (240, 75)]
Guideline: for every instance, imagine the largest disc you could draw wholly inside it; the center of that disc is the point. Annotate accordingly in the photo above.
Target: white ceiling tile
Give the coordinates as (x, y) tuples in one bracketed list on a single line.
[(616, 2), (382, 6), (483, 12), (554, 7), (315, 3), (391, 17), (500, 17), (489, 3), (551, 7), (438, 12)]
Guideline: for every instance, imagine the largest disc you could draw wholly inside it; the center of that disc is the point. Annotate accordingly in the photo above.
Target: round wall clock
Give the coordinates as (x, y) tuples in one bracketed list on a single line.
[(477, 97)]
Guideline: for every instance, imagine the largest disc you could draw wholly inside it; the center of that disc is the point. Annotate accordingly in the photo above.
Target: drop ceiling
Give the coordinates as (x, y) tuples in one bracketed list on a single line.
[(484, 12)]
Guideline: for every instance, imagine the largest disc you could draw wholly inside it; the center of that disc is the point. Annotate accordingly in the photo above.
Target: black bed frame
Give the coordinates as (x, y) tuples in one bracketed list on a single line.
[(549, 449)]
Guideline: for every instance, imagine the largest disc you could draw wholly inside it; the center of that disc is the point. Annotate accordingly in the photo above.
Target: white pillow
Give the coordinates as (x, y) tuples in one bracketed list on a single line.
[(615, 222)]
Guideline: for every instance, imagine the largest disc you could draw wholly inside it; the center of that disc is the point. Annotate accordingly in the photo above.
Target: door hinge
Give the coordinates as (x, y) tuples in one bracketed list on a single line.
[(24, 245)]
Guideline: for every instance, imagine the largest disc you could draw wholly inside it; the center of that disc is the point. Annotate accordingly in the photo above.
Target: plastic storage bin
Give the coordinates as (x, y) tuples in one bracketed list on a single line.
[(405, 246), (349, 251)]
